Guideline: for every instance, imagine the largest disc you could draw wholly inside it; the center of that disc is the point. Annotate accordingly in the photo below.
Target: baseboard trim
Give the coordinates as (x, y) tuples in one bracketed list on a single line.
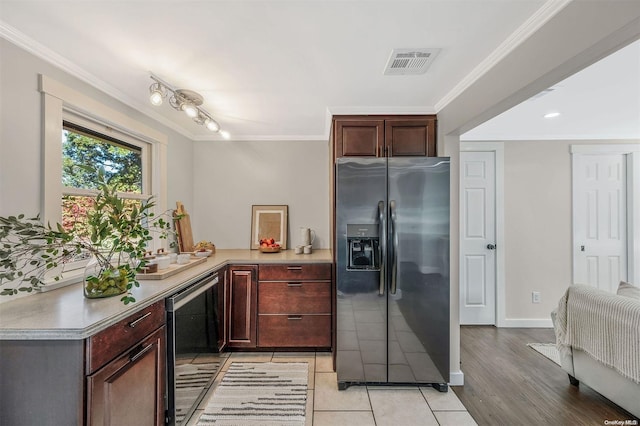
[(456, 378), (526, 323)]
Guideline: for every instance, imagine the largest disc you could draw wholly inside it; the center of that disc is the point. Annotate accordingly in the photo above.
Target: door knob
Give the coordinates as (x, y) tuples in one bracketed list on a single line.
[(491, 246)]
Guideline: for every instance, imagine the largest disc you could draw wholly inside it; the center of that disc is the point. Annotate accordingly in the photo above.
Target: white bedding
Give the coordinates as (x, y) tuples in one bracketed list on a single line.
[(603, 325)]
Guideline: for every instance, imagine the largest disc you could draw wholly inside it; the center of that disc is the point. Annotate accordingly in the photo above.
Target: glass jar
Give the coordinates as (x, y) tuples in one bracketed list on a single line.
[(104, 280)]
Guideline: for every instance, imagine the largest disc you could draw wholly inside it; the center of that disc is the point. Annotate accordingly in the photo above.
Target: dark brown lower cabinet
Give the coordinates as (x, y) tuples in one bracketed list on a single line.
[(241, 306), (278, 306), (294, 306), (114, 377), (130, 389)]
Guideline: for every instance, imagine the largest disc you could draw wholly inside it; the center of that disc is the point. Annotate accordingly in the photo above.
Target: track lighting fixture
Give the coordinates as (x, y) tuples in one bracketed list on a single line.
[(184, 100)]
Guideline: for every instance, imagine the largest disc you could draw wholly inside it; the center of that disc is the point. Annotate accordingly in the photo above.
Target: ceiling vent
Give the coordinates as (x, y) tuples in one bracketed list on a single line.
[(410, 61)]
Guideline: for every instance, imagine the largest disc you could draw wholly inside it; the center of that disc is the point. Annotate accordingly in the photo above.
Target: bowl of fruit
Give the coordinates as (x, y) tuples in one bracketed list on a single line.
[(269, 245), (204, 245)]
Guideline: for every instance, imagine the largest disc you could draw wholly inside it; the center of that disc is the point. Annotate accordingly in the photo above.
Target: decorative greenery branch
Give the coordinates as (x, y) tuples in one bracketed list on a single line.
[(115, 233)]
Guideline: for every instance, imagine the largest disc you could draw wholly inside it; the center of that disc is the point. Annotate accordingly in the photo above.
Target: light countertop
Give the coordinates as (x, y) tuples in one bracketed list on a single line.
[(65, 314)]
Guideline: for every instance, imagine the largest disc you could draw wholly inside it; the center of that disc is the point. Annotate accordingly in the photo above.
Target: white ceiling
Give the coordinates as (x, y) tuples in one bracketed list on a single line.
[(599, 102), (277, 69)]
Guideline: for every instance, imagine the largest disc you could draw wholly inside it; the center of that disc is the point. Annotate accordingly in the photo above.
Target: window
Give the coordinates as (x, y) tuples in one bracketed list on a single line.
[(83, 151), (122, 162), (109, 137)]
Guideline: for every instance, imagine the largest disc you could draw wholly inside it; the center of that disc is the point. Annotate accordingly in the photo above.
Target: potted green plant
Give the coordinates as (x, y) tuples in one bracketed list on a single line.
[(115, 233)]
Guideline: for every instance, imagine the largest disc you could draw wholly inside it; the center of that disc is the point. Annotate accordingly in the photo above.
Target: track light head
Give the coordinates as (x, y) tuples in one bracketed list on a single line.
[(190, 109), (157, 93), (212, 125)]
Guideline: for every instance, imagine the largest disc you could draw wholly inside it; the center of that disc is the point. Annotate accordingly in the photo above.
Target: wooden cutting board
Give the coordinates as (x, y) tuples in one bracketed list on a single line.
[(183, 228)]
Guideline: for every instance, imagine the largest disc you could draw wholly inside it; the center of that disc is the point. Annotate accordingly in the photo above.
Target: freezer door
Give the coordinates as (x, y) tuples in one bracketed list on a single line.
[(418, 260), (361, 205)]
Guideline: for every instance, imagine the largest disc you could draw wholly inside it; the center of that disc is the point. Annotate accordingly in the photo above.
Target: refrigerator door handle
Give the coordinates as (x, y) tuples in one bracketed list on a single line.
[(382, 246), (394, 242)]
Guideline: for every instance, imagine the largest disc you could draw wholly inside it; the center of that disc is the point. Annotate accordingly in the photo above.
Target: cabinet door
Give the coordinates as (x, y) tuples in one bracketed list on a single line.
[(359, 137), (130, 389), (243, 292), (410, 137)]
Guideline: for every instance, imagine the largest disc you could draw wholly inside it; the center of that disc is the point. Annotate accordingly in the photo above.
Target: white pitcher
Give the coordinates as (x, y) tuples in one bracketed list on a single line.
[(307, 235)]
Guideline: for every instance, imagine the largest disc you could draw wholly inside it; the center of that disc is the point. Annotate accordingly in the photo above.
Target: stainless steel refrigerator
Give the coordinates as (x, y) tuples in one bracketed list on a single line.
[(392, 271)]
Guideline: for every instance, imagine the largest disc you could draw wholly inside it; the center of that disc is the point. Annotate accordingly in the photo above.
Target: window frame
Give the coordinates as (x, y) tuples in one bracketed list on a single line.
[(61, 103)]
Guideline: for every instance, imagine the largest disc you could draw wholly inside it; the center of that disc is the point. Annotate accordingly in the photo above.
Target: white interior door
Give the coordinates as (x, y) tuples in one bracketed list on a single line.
[(600, 220), (478, 237)]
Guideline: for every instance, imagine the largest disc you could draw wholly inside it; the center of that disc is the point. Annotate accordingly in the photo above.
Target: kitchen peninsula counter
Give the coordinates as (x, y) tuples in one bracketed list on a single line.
[(65, 314)]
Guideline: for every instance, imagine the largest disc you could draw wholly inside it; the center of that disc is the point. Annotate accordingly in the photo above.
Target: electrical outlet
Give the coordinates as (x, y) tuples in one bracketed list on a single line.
[(535, 297)]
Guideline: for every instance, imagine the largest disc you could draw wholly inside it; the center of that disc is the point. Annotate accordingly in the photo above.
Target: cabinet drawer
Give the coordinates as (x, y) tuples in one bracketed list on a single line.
[(305, 297), (288, 331), (306, 271), (109, 343)]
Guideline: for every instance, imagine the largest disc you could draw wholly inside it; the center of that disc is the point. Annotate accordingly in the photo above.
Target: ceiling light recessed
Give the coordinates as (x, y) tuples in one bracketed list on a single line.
[(552, 115), (410, 61)]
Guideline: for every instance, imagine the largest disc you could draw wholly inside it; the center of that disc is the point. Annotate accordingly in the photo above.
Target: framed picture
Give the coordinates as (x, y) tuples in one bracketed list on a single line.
[(269, 222)]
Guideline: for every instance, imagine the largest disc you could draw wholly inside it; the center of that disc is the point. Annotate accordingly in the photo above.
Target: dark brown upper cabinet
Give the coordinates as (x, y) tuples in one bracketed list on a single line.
[(384, 136)]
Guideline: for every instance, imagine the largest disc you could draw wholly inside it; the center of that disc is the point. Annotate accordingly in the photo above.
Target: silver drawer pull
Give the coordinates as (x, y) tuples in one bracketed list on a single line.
[(134, 323), (294, 317), (294, 268), (141, 352), (294, 284)]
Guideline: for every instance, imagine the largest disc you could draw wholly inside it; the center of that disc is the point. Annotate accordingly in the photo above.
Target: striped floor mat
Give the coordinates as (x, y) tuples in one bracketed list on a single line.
[(191, 380), (259, 393)]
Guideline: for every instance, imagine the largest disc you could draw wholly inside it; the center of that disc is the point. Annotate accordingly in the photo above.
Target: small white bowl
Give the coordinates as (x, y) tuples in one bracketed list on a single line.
[(163, 262), (205, 253)]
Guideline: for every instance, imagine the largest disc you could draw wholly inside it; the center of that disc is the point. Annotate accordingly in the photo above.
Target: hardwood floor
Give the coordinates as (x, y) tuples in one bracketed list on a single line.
[(508, 383)]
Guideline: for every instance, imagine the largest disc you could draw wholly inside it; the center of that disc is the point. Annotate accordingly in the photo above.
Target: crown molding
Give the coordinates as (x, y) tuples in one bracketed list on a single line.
[(547, 11), (18, 38), (395, 110), (26, 43), (253, 138)]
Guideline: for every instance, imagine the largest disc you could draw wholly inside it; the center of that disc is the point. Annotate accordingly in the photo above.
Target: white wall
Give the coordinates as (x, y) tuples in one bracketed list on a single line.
[(229, 177), (538, 224)]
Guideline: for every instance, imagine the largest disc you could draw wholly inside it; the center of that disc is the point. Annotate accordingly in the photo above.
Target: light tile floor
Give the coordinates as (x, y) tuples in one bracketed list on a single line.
[(357, 405)]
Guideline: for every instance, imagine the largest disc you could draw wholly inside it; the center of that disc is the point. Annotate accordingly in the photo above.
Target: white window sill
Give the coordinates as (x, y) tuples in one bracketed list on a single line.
[(65, 279)]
